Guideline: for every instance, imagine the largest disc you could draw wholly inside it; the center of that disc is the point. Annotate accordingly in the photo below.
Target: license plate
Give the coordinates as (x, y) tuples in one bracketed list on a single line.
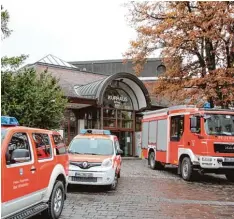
[(229, 159), (78, 174)]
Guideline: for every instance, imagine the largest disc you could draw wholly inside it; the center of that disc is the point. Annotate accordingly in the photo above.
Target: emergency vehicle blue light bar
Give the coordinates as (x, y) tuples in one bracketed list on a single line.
[(9, 121), (95, 131)]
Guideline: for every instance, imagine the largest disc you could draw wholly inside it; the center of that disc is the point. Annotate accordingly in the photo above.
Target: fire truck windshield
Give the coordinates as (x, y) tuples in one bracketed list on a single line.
[(219, 124)]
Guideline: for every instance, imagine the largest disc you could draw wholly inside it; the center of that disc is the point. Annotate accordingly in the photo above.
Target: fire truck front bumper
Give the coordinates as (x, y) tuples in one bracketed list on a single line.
[(206, 162)]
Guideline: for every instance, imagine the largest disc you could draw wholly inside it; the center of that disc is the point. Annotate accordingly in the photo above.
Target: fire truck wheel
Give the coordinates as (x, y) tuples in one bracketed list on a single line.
[(152, 161), (186, 169), (230, 176), (56, 202), (154, 165)]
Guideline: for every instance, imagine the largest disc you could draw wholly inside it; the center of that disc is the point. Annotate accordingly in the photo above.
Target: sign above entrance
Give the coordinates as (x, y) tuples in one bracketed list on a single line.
[(117, 98)]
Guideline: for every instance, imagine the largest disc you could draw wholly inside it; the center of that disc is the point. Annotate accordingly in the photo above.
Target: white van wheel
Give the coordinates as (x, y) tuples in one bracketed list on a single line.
[(114, 184)]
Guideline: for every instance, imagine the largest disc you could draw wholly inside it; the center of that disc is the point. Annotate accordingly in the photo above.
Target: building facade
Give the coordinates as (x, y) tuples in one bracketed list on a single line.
[(97, 100)]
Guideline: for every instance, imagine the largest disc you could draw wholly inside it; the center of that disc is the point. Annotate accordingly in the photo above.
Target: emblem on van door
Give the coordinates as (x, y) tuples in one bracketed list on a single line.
[(85, 165), (21, 171)]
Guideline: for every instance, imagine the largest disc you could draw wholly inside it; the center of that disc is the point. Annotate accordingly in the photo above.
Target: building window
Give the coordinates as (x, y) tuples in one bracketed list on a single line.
[(138, 123), (70, 126), (109, 113), (109, 118), (92, 118), (113, 118), (117, 109), (109, 123), (88, 120), (125, 119), (161, 69)]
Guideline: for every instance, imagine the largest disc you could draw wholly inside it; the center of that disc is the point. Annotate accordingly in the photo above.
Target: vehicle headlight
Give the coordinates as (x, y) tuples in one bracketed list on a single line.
[(70, 167), (107, 163)]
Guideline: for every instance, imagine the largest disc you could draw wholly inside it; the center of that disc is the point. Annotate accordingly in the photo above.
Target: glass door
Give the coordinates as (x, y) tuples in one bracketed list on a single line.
[(70, 126), (125, 142)]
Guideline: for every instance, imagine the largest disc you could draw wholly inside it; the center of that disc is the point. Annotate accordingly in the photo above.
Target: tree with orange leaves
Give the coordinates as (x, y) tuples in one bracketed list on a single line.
[(197, 46)]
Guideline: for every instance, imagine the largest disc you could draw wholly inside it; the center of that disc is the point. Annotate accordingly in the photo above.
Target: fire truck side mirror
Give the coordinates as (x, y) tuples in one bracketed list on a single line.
[(194, 124)]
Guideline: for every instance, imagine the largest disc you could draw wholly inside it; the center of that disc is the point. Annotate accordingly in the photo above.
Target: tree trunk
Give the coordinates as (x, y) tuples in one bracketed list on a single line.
[(232, 54), (210, 56)]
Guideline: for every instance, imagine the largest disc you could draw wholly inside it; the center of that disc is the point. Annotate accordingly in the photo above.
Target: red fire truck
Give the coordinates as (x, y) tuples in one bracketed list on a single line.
[(192, 139)]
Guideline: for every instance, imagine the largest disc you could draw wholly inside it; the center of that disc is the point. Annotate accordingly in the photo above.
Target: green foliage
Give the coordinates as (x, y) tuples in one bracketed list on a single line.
[(12, 62), (36, 100), (4, 23)]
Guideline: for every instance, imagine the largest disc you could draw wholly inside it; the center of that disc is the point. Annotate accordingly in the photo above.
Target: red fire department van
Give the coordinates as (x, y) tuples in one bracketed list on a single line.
[(34, 170), (193, 139)]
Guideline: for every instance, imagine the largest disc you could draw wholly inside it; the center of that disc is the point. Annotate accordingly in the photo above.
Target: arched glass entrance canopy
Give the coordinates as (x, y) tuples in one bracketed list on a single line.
[(121, 90)]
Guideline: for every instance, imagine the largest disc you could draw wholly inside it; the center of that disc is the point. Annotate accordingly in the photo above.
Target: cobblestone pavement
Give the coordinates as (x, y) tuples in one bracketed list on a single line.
[(146, 193)]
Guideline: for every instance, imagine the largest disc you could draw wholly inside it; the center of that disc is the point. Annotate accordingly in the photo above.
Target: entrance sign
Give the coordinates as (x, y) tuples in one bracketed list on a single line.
[(117, 98)]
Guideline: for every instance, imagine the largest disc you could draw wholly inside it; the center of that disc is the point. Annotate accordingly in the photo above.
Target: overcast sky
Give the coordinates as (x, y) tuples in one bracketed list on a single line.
[(72, 30)]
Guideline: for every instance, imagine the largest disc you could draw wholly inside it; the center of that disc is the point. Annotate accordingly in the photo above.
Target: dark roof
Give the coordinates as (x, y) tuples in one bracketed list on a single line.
[(110, 61), (152, 68)]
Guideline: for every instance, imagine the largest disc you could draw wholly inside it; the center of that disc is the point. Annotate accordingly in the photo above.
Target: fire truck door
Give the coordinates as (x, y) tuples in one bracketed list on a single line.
[(176, 137)]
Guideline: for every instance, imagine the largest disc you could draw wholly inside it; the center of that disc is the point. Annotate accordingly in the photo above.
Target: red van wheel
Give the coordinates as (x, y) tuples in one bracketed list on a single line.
[(56, 202)]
